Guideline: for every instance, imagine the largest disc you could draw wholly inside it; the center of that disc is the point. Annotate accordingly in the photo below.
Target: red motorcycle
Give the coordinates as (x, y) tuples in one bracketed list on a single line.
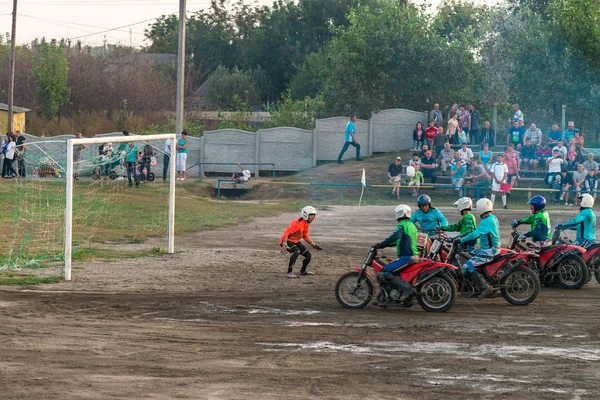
[(560, 263), (508, 273), (591, 256), (434, 289)]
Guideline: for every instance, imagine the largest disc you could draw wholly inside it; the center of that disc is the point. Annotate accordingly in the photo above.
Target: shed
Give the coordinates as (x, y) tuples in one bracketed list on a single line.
[(18, 118)]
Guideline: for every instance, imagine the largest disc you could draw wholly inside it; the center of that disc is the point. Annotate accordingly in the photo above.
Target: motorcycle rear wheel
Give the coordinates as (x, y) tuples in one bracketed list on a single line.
[(595, 264), (437, 294), (521, 286), (572, 272), (352, 293)]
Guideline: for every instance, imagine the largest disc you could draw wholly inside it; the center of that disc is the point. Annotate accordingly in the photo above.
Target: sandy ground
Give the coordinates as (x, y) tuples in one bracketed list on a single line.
[(218, 320)]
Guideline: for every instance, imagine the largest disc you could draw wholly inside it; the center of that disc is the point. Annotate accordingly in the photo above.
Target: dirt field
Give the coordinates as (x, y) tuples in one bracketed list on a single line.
[(219, 320)]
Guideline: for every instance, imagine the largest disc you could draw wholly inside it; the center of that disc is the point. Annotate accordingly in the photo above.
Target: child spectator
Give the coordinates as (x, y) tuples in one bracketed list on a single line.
[(591, 182), (429, 135), (416, 180), (395, 176), (542, 154)]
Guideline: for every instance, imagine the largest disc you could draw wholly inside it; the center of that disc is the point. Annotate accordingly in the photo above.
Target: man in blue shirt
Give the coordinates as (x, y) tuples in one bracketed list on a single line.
[(570, 132), (515, 135), (554, 135), (350, 140)]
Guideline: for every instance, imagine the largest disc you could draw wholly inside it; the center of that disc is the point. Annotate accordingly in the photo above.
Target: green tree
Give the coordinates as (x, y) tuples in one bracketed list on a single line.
[(51, 71)]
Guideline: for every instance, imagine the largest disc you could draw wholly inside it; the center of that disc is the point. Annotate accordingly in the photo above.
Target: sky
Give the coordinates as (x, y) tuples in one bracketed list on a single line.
[(85, 20)]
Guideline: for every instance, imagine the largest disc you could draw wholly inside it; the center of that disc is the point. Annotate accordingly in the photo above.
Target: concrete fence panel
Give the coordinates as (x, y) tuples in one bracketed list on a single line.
[(330, 137), (392, 129), (229, 146), (290, 149)]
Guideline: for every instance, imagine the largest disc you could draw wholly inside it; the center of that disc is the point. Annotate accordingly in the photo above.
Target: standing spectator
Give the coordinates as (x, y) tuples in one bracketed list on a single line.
[(122, 150), (439, 140), (591, 182), (182, 146), (515, 135), (562, 150), (452, 129), (77, 149), (474, 128), (499, 172), (436, 115), (534, 134), (20, 149), (131, 160), (570, 132), (479, 179), (429, 135), (350, 140), (429, 164), (528, 154), (415, 161), (416, 180), (486, 156), (554, 135), (106, 153), (395, 176), (542, 154), (446, 157), (465, 123), (167, 158), (147, 154), (457, 174), (590, 164), (579, 178), (518, 116), (4, 146), (466, 154), (565, 182), (487, 134), (513, 170), (418, 135), (554, 166), (8, 170), (453, 111)]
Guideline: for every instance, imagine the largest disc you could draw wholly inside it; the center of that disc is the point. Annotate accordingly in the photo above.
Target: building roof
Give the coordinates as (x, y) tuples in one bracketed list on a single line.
[(4, 107)]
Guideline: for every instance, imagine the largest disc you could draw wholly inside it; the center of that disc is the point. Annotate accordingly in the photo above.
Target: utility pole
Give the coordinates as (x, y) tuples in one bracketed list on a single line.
[(180, 69), (11, 68)]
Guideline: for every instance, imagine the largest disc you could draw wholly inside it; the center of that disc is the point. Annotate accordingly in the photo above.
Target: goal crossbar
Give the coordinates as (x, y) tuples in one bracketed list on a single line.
[(70, 179)]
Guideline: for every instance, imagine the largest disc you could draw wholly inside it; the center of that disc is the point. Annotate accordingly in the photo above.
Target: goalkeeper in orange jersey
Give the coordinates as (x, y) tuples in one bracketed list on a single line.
[(290, 241)]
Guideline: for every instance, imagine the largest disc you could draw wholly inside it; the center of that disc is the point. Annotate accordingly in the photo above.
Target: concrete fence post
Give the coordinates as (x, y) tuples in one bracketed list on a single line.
[(257, 153), (314, 142), (370, 136), (202, 147)]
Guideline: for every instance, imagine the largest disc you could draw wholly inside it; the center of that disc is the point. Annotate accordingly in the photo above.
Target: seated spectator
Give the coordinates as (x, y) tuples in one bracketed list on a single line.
[(578, 139), (554, 135), (415, 161), (419, 135), (513, 170), (591, 182), (574, 156), (466, 154), (439, 141), (579, 178), (416, 180), (590, 164), (528, 154), (428, 166), (562, 150), (446, 157), (510, 152), (479, 179), (563, 183), (534, 134), (457, 175), (486, 156), (429, 135), (423, 150), (487, 134), (542, 154), (555, 163), (395, 175), (570, 132), (515, 135)]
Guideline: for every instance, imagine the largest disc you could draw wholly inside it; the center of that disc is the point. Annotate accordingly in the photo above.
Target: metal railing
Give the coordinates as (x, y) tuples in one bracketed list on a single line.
[(201, 170)]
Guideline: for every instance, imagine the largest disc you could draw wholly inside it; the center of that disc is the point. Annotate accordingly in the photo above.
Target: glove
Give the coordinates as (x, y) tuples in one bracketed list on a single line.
[(375, 246), (438, 229), (456, 241), (522, 237), (515, 223), (316, 246)]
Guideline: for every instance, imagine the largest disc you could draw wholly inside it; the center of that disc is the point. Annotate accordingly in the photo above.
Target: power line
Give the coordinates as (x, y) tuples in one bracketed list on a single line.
[(114, 29), (69, 24)]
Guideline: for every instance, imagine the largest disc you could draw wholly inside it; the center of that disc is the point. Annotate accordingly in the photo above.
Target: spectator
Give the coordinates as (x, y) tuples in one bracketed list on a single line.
[(416, 180), (570, 132), (515, 135), (419, 135), (479, 179), (436, 115), (465, 124), (457, 174), (131, 161), (452, 129), (510, 152), (590, 164), (528, 154), (453, 111), (182, 146), (439, 141), (20, 149), (542, 154), (591, 182), (416, 161), (499, 172), (554, 166), (77, 149), (562, 150), (474, 128), (486, 156), (146, 162), (122, 151), (513, 170), (487, 134), (429, 135), (446, 157), (167, 158), (579, 178), (518, 116), (466, 154), (554, 135), (8, 170), (578, 139), (573, 156), (4, 146), (244, 177), (428, 165), (564, 183), (395, 175), (423, 151), (350, 140), (106, 154), (534, 134)]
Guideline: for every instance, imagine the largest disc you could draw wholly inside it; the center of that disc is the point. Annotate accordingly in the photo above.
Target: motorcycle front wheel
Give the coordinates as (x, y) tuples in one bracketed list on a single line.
[(521, 286), (437, 294), (351, 292)]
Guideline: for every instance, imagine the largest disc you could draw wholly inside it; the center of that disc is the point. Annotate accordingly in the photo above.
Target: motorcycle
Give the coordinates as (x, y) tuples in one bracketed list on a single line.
[(434, 289), (558, 263), (591, 256), (508, 272)]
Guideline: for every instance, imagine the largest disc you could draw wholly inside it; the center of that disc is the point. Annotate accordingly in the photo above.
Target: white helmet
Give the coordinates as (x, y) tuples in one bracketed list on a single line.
[(410, 171), (587, 201), (464, 203), (484, 205), (308, 210), (403, 211)]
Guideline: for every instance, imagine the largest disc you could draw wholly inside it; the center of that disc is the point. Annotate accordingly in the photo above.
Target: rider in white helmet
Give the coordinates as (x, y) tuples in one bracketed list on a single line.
[(584, 223), (290, 241), (404, 238), (466, 225)]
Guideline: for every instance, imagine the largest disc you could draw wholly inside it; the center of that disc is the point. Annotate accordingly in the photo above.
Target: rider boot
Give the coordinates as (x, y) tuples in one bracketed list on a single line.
[(481, 285), (402, 285)]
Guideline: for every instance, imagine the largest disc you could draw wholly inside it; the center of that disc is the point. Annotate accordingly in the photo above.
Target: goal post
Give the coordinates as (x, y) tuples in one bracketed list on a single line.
[(71, 143)]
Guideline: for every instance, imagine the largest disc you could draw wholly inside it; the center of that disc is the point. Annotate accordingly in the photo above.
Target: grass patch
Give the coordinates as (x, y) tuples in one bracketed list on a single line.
[(11, 278)]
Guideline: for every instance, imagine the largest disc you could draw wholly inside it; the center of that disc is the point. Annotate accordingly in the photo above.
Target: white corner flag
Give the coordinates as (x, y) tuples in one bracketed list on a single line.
[(363, 180)]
